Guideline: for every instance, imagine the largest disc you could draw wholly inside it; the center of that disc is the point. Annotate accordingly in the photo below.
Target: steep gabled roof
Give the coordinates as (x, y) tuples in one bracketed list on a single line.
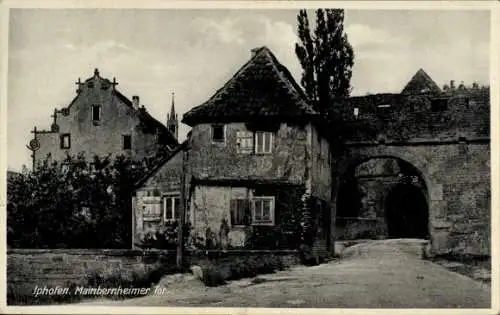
[(421, 82), (262, 88), (148, 122), (162, 161)]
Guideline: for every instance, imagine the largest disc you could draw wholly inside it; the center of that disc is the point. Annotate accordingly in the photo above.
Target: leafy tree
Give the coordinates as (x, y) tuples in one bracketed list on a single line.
[(327, 58), (70, 205)]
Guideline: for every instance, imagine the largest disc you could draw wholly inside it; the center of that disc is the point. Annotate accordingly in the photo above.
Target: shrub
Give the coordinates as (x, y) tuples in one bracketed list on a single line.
[(136, 279), (241, 267), (212, 276), (166, 236)]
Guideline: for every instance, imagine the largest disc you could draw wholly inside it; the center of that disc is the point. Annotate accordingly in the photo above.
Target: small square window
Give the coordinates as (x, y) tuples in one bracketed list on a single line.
[(65, 141), (96, 112), (383, 109), (240, 212), (263, 211), (218, 133), (263, 142), (438, 105), (127, 142)]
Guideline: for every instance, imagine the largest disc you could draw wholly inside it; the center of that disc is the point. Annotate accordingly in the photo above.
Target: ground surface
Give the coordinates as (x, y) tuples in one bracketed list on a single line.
[(372, 275)]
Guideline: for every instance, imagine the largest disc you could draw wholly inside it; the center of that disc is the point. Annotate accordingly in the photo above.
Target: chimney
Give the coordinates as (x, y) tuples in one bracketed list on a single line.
[(452, 84), (461, 86), (135, 101)]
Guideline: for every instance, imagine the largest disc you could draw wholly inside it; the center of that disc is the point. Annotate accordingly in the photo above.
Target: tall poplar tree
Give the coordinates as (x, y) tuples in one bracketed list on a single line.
[(326, 58)]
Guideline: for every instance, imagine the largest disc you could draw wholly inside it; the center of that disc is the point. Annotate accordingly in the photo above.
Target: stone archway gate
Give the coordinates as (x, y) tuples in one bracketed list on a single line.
[(457, 176)]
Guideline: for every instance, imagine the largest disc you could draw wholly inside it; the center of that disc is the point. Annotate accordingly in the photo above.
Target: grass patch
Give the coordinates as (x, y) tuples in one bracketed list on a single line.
[(220, 271)]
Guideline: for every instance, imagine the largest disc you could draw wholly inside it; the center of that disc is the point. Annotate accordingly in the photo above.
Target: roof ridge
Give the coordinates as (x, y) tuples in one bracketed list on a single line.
[(288, 83), (428, 81), (233, 77), (160, 163)]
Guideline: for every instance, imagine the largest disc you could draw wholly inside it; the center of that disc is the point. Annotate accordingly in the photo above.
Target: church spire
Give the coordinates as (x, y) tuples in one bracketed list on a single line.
[(172, 122), (172, 109)]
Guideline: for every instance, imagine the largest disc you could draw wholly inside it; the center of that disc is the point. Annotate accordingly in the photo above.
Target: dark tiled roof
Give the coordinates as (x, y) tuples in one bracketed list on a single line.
[(262, 88), (160, 162), (420, 82)]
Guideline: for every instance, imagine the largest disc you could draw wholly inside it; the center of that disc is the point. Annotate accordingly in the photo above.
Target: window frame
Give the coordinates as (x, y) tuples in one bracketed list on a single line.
[(224, 135), (246, 136), (99, 107), (123, 142), (244, 220), (173, 198), (356, 112), (272, 210), (384, 109), (436, 105), (271, 142), (151, 201), (62, 144)]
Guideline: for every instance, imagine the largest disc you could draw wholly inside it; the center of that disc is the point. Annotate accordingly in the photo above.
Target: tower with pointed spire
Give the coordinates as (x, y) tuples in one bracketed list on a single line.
[(172, 122)]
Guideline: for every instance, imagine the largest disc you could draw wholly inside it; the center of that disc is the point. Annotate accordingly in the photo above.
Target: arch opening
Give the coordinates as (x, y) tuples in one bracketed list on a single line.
[(406, 212), (382, 197)]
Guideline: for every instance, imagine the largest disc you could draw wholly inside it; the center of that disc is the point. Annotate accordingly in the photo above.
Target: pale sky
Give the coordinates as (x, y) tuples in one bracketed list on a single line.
[(194, 52)]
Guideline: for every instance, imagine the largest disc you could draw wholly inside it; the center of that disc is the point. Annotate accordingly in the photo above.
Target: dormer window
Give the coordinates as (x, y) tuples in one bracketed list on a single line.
[(96, 112), (218, 133)]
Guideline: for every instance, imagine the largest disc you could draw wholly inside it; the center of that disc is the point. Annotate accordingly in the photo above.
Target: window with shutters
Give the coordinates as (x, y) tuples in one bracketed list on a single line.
[(244, 142), (263, 211), (172, 207), (152, 207), (240, 212), (263, 142)]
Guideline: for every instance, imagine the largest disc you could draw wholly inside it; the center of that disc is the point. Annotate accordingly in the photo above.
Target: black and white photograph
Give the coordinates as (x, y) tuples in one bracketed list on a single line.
[(288, 157)]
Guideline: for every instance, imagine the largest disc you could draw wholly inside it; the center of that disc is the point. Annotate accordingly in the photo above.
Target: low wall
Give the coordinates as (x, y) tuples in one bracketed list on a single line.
[(28, 268), (31, 268)]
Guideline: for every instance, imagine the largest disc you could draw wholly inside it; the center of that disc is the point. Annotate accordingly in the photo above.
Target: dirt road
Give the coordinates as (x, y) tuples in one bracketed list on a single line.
[(372, 275)]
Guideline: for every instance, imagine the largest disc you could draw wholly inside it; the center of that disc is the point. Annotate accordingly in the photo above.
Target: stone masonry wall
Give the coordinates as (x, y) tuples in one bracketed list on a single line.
[(457, 176), (27, 268)]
